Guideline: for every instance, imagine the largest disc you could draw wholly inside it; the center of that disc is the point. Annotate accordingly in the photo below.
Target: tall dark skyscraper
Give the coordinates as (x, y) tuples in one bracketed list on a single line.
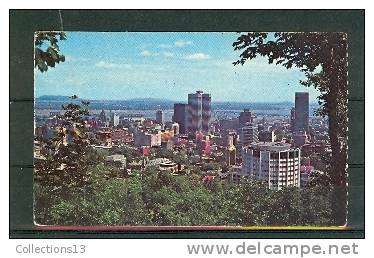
[(180, 116), (206, 114), (245, 117), (301, 112), (160, 117), (102, 116), (199, 111)]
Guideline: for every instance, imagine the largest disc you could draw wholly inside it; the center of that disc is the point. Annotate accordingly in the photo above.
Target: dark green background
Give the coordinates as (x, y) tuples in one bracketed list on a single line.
[(23, 24)]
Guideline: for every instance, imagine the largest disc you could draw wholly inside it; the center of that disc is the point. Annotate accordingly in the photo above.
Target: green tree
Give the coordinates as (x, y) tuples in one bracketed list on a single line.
[(100, 203), (163, 153), (159, 198), (47, 52), (67, 160), (317, 206), (130, 153), (181, 158), (257, 203), (286, 208), (134, 208)]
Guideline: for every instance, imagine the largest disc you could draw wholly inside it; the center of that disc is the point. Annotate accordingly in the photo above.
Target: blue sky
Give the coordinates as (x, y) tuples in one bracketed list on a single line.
[(125, 65)]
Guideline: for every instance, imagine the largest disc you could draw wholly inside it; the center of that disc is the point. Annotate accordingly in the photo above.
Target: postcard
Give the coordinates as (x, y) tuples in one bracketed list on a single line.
[(190, 129)]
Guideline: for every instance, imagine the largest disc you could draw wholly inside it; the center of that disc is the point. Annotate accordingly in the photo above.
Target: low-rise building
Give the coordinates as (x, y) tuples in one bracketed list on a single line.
[(170, 166), (104, 137), (164, 164), (168, 145), (299, 139), (266, 136), (307, 173), (116, 160), (121, 136), (234, 174), (231, 155), (150, 139)]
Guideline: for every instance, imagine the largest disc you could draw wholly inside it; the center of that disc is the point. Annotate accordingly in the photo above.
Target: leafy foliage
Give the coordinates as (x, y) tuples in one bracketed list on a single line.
[(68, 152), (158, 198), (50, 55)]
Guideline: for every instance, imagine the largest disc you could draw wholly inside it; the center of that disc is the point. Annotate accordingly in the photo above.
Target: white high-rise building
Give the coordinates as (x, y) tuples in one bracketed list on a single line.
[(114, 119), (274, 163)]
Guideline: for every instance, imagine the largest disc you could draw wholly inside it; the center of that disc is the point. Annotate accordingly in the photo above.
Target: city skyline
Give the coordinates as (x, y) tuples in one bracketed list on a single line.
[(120, 66)]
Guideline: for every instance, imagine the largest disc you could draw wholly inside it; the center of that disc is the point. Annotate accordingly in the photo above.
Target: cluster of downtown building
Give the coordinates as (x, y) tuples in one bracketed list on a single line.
[(279, 152)]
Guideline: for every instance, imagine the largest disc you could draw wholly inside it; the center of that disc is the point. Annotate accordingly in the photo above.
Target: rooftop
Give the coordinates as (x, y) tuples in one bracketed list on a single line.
[(115, 157), (168, 164), (271, 146)]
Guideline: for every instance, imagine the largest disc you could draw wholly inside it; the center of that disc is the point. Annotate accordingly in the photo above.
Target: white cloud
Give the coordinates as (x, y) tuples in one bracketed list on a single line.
[(178, 43), (70, 58), (167, 54), (109, 65), (145, 45), (197, 56), (166, 46), (75, 81), (148, 53), (182, 43)]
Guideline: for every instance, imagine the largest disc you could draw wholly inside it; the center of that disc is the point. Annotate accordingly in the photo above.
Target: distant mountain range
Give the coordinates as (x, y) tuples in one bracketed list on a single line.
[(67, 98), (55, 102), (64, 98)]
